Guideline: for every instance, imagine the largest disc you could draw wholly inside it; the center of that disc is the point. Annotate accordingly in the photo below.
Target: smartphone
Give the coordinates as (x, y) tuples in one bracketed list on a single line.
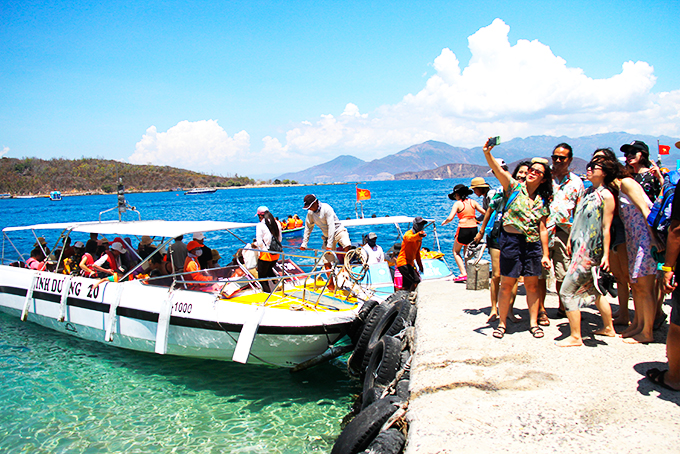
[(494, 141)]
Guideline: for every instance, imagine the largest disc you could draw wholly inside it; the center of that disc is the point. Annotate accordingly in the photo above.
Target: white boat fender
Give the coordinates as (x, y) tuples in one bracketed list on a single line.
[(163, 325)]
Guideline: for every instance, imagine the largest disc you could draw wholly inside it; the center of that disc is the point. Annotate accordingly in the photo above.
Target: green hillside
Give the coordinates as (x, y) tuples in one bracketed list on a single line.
[(31, 176)]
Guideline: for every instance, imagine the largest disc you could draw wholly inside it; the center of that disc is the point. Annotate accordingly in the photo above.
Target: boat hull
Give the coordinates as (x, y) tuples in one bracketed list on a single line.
[(293, 233), (197, 324)]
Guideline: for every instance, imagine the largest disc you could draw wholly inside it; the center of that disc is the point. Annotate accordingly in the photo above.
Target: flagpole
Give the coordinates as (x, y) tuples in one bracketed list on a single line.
[(658, 153)]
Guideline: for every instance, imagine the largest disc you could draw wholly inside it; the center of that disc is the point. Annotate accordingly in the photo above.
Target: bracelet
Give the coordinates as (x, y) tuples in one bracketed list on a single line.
[(667, 268)]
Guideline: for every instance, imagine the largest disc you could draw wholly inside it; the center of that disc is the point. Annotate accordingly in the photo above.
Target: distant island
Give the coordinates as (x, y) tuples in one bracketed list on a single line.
[(32, 176)]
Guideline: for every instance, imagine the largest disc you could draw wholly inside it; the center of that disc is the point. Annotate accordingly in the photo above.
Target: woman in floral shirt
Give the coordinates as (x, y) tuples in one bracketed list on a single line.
[(524, 237)]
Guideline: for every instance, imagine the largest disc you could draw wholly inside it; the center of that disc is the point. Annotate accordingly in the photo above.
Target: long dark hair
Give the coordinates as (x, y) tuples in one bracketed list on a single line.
[(271, 224), (609, 155), (609, 168), (545, 189)]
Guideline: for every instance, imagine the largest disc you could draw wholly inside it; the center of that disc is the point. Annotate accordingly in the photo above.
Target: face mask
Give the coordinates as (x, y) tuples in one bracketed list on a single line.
[(199, 252)]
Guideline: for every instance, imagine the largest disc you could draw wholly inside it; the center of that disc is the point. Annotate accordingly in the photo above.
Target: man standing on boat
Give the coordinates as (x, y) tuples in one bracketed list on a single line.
[(333, 233), (410, 253)]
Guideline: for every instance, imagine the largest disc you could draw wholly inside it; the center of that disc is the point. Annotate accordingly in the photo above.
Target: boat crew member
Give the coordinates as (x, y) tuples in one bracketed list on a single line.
[(205, 259), (266, 231), (178, 253), (109, 262), (410, 253), (333, 233), (193, 267), (371, 251)]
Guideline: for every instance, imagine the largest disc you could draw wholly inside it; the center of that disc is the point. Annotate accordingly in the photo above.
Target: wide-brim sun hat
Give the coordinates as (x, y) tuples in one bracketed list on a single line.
[(461, 190), (479, 182)]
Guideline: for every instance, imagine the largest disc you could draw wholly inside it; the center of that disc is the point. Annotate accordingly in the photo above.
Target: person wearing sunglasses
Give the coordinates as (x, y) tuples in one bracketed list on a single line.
[(523, 237), (588, 245), (644, 171), (567, 192)]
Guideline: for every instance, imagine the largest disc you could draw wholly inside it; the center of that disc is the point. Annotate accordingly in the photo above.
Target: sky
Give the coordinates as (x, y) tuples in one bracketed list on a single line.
[(260, 88)]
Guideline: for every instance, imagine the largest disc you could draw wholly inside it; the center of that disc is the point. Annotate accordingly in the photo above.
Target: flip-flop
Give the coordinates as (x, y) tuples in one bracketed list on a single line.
[(499, 332), (656, 376)]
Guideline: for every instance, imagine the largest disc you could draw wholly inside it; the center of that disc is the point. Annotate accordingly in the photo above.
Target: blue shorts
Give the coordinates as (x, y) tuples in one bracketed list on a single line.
[(519, 257)]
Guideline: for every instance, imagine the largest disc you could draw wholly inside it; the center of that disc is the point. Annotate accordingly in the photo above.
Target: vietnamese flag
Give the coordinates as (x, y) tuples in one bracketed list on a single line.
[(664, 149), (363, 194)]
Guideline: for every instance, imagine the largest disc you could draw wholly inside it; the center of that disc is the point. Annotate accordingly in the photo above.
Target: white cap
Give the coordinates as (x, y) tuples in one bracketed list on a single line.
[(198, 236), (261, 210), (118, 247), (501, 162)]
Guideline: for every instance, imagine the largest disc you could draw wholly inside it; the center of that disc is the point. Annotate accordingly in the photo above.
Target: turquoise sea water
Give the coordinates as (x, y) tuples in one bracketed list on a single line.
[(62, 394)]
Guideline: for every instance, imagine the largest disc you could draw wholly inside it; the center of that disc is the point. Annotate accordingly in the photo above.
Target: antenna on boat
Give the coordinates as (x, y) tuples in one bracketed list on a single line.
[(123, 206)]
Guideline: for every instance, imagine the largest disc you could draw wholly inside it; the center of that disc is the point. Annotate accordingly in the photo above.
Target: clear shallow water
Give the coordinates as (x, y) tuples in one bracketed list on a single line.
[(62, 394)]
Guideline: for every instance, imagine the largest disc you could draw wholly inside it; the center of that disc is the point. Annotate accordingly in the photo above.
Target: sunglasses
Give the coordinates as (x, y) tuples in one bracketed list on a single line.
[(535, 171), (630, 153), (593, 167), (559, 158)]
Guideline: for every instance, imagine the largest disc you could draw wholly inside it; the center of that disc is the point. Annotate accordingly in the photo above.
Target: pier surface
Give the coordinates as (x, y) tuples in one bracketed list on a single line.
[(471, 392)]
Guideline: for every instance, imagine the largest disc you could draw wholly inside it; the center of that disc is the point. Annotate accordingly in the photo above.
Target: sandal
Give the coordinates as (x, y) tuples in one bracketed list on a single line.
[(656, 376), (543, 319), (536, 331), (499, 332)]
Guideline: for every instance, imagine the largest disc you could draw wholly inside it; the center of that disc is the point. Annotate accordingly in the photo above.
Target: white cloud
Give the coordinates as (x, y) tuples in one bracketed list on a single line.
[(199, 145), (512, 90), (4, 151)]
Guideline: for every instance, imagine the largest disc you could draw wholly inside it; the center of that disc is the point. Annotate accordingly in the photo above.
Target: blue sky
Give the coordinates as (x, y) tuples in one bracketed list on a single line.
[(260, 88)]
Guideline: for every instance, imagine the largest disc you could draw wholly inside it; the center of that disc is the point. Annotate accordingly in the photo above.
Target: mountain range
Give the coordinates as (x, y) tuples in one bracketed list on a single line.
[(434, 159)]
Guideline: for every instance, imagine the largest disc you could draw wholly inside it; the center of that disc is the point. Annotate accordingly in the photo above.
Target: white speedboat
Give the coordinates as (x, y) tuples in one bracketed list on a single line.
[(55, 196), (198, 191), (229, 319)]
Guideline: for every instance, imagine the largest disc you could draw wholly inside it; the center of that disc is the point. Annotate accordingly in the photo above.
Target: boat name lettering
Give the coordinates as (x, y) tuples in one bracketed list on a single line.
[(182, 307), (74, 288), (49, 285), (92, 291)]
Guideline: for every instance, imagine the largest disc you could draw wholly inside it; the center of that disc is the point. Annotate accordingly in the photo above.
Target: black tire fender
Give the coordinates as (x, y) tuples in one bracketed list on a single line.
[(391, 441), (384, 363), (357, 325), (370, 396), (391, 323), (356, 361), (365, 426)]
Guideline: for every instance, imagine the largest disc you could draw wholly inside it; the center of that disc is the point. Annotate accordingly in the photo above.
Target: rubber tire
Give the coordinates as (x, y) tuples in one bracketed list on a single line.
[(391, 323), (370, 396), (402, 389), (399, 295), (358, 324), (391, 441), (356, 364), (384, 363), (365, 426)]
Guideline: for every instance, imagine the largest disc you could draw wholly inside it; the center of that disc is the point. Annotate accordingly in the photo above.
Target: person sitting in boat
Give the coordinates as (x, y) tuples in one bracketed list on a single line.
[(290, 223), (205, 259), (37, 260), (159, 270), (110, 261), (297, 221), (145, 247), (87, 260), (333, 232), (71, 263), (42, 245), (193, 267), (102, 247), (371, 251)]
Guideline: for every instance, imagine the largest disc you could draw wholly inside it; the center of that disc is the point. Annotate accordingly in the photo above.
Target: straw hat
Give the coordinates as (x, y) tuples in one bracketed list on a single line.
[(479, 182)]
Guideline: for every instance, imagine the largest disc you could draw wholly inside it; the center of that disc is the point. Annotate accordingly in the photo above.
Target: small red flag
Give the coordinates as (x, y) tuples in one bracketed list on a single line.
[(664, 149), (363, 194)]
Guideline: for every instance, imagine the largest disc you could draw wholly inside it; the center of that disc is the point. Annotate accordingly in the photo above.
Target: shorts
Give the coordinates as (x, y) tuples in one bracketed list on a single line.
[(675, 306), (409, 276), (558, 256), (492, 243), (342, 238), (617, 232), (465, 235), (518, 257)]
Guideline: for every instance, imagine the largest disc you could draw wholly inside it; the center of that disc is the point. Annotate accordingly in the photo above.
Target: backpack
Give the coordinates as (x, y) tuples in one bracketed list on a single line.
[(660, 214)]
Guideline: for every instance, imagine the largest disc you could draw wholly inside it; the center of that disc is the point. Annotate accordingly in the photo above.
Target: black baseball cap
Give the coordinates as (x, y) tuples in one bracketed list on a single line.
[(635, 146), (418, 224), (309, 201)]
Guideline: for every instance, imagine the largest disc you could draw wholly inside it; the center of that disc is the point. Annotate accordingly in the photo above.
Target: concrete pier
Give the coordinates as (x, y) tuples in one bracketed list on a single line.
[(471, 392)]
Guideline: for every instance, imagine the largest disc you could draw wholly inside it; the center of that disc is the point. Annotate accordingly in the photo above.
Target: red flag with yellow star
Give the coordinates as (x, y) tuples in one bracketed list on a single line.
[(664, 149), (363, 194)]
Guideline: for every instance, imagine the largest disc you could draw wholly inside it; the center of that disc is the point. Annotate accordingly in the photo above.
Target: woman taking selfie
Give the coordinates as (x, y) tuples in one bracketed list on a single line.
[(523, 238)]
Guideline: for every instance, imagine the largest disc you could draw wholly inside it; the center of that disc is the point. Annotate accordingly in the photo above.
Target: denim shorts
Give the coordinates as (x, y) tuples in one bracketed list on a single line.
[(519, 257)]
